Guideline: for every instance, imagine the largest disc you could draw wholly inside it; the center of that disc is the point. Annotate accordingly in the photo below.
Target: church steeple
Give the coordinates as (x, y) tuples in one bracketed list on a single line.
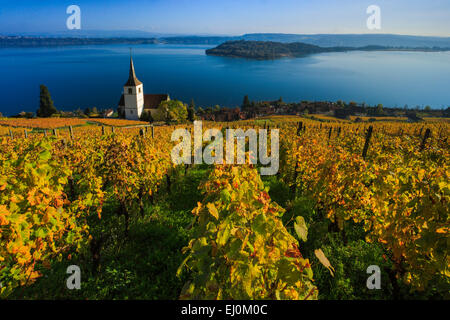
[(132, 80)]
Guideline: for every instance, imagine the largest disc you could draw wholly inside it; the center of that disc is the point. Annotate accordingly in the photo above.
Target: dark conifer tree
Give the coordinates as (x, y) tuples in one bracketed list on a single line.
[(46, 107)]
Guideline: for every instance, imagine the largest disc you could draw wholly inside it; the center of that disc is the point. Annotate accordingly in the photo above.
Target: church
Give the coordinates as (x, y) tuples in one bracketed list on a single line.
[(133, 102)]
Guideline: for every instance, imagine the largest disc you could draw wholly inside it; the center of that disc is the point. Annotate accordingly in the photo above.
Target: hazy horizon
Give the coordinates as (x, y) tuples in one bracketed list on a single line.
[(231, 18), (155, 34)]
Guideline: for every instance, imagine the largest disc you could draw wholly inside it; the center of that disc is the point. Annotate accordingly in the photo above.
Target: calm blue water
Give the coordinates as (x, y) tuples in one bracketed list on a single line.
[(93, 76)]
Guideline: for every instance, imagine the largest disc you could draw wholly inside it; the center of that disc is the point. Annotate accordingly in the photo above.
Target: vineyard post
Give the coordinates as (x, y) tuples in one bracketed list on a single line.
[(11, 134), (45, 133), (142, 133), (153, 132), (71, 132), (112, 129), (366, 144), (55, 132), (103, 130), (329, 133), (26, 133), (425, 137), (299, 128)]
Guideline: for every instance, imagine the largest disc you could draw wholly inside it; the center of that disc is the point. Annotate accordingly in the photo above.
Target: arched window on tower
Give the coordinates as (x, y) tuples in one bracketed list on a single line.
[(130, 91)]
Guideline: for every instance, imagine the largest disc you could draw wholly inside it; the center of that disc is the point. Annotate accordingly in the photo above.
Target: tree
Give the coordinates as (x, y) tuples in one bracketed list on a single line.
[(191, 111), (200, 110), (171, 111), (94, 110), (146, 116), (216, 108), (427, 108), (379, 110), (87, 111), (246, 103), (46, 107)]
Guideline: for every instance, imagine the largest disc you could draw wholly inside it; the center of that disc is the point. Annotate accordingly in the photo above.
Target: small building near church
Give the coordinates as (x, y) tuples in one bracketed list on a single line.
[(107, 113), (134, 103)]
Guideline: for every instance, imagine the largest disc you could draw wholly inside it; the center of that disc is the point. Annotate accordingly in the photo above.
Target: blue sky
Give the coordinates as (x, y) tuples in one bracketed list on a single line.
[(231, 17)]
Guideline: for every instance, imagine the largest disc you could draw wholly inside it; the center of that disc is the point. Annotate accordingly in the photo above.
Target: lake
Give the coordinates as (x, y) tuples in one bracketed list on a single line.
[(93, 76)]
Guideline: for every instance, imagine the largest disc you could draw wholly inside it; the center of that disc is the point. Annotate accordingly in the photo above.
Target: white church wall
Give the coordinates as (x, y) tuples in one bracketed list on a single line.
[(134, 102)]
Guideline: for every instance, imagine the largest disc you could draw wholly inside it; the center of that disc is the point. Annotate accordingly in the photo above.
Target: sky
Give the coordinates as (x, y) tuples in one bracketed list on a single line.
[(229, 17)]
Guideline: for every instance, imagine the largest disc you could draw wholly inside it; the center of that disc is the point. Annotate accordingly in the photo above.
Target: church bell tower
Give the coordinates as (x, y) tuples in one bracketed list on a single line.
[(133, 92)]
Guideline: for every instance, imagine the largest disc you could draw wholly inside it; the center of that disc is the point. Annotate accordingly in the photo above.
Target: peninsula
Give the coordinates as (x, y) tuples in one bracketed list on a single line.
[(269, 50)]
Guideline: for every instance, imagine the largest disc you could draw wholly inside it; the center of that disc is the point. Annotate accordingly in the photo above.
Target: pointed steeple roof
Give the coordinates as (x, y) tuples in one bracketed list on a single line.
[(132, 80)]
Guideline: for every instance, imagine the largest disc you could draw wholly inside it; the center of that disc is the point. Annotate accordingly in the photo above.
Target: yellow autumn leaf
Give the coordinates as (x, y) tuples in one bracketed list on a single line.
[(324, 261), (212, 210)]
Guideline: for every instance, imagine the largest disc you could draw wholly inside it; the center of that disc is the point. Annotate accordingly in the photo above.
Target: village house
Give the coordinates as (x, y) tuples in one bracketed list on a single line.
[(108, 113), (224, 114)]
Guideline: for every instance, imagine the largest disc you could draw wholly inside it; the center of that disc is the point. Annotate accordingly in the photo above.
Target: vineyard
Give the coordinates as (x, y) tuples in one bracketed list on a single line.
[(108, 198)]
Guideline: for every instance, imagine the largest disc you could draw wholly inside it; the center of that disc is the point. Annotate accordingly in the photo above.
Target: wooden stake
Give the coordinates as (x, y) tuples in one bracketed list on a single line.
[(366, 144), (299, 128), (425, 137)]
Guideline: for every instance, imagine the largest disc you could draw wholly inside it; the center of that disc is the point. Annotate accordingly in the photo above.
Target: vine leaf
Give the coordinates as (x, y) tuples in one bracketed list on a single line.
[(300, 228), (324, 261), (212, 209)]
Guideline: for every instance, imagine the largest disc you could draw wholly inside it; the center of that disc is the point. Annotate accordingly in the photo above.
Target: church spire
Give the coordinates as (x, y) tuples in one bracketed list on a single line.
[(132, 80)]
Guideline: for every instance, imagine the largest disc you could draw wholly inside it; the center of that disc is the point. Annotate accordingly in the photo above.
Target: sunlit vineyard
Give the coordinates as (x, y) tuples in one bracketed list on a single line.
[(110, 200), (42, 123)]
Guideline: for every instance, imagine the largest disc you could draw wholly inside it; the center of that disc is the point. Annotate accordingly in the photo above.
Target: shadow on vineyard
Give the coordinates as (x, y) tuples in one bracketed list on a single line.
[(142, 265)]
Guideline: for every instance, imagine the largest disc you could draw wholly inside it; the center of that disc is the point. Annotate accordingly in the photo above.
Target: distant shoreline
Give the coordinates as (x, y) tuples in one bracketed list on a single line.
[(321, 40)]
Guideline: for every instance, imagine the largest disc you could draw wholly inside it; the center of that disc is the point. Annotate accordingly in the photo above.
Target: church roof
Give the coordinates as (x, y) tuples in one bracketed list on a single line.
[(132, 80), (151, 101)]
